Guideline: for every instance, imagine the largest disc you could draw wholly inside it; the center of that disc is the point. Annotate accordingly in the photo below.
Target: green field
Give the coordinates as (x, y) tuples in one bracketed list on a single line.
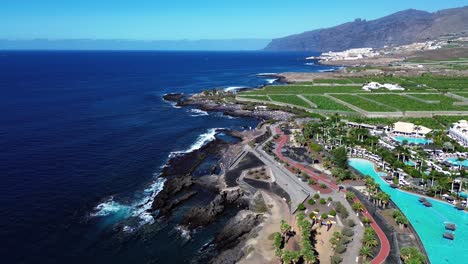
[(298, 89), (407, 104), (326, 103), (463, 94), (290, 99), (426, 87), (362, 103), (333, 81), (256, 97)]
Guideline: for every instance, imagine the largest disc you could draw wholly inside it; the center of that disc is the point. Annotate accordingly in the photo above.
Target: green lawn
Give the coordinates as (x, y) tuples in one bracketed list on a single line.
[(290, 99), (362, 103), (326, 103)]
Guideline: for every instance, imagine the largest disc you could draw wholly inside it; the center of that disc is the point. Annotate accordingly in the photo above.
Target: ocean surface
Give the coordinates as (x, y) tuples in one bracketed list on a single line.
[(83, 136)]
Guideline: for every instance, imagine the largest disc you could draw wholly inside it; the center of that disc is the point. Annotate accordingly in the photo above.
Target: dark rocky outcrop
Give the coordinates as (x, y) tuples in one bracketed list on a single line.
[(171, 188), (201, 216), (230, 241), (173, 97), (400, 28)]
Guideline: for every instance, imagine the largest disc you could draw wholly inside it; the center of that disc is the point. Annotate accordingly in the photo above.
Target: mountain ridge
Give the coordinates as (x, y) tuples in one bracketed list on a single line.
[(400, 28)]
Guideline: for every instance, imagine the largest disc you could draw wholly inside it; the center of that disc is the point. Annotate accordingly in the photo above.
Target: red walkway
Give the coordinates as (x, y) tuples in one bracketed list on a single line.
[(318, 178), (384, 244)]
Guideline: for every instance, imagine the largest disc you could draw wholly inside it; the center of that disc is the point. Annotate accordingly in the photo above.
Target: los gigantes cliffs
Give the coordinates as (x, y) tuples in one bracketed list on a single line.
[(400, 28)]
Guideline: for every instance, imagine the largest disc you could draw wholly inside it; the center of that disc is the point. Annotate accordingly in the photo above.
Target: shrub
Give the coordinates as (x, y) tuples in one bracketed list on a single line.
[(301, 207), (316, 196), (316, 210), (324, 216), (311, 201), (336, 259), (311, 215), (351, 223), (366, 220), (329, 199), (340, 248), (347, 232), (312, 182), (322, 201), (323, 186), (332, 213)]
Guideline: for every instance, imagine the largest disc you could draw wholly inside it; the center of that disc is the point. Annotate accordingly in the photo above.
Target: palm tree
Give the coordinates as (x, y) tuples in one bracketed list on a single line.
[(385, 199), (460, 161), (350, 196), (370, 241), (365, 252), (358, 207), (308, 255)]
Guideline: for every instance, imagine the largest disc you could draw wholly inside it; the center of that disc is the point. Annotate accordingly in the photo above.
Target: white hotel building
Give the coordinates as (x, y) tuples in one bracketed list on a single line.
[(459, 132)]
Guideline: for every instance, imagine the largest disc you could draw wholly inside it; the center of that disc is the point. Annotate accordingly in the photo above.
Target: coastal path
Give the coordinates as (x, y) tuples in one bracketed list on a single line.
[(352, 254)]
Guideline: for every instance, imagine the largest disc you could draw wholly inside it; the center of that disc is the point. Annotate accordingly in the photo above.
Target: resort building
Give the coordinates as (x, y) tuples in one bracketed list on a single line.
[(410, 129), (459, 132), (375, 86)]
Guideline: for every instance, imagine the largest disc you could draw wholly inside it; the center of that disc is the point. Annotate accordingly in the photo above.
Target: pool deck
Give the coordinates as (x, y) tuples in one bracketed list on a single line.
[(376, 168)]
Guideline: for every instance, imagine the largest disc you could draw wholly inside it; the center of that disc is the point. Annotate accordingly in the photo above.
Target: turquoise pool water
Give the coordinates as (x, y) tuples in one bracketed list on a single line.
[(428, 222), (456, 162), (412, 140), (409, 162), (464, 195)]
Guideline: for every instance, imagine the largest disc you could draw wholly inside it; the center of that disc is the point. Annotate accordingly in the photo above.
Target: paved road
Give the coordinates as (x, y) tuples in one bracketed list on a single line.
[(288, 182)]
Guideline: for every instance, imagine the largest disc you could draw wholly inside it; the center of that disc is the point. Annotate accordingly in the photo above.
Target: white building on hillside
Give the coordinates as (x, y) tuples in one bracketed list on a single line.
[(410, 129), (459, 132), (375, 86)]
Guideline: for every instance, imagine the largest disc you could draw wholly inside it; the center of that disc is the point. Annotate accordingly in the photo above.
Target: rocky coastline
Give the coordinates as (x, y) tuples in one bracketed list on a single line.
[(229, 109), (228, 244)]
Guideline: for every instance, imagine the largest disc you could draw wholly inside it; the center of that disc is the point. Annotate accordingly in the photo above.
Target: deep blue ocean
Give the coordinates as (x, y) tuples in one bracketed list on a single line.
[(83, 136)]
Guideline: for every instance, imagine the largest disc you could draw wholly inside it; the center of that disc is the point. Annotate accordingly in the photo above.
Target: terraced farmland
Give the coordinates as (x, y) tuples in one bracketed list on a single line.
[(290, 99), (326, 103), (407, 104), (362, 103), (303, 89), (255, 97)]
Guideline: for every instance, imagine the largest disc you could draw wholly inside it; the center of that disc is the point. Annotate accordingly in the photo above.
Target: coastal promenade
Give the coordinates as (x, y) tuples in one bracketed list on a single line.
[(352, 254)]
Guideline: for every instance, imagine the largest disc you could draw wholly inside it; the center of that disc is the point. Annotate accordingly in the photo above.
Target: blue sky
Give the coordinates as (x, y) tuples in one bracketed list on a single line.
[(189, 19)]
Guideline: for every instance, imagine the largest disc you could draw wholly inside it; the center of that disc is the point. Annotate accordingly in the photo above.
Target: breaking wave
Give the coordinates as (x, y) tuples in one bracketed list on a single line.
[(138, 209), (202, 140), (198, 112)]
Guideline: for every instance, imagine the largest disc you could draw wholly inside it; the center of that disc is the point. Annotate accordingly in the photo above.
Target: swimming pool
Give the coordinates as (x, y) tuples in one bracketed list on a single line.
[(454, 161), (410, 163), (428, 222), (462, 194), (413, 140)]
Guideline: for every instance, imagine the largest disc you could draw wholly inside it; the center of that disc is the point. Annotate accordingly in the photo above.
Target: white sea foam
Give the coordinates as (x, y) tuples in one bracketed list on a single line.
[(271, 81), (233, 88), (266, 73), (138, 208), (109, 207), (327, 70), (184, 233), (198, 112), (310, 63), (202, 140), (174, 104)]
